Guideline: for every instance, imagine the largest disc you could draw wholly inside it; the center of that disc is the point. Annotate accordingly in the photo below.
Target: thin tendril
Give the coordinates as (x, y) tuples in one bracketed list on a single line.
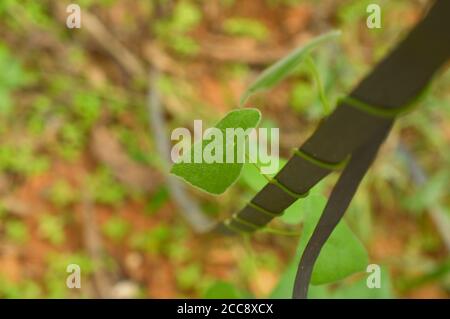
[(316, 76), (257, 167)]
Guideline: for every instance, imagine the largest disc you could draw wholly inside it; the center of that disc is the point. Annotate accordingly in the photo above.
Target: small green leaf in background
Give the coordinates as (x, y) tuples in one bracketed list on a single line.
[(16, 231), (285, 286), (116, 228), (222, 290), (12, 77), (252, 176), (189, 276), (215, 178), (245, 27), (294, 214), (159, 198), (432, 192), (280, 69), (342, 255), (359, 289), (52, 229), (354, 290)]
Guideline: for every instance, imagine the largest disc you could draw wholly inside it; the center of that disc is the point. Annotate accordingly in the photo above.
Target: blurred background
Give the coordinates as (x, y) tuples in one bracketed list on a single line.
[(82, 176)]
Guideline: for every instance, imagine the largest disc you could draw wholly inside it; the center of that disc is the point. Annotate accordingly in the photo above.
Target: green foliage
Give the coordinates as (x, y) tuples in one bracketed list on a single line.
[(184, 45), (12, 77), (116, 228), (62, 193), (222, 290), (52, 228), (186, 16), (56, 275), (252, 176), (342, 255), (245, 27), (353, 11), (215, 178), (16, 231), (357, 289), (295, 213), (178, 251), (72, 141), (104, 188), (285, 284), (159, 198), (188, 277), (22, 159), (302, 96), (86, 107), (282, 68), (50, 120), (153, 240), (22, 290), (432, 192)]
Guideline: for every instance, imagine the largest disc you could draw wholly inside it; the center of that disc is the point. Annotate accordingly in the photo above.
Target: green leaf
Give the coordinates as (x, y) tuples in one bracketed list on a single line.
[(215, 178), (252, 176), (294, 214), (285, 286), (280, 69), (359, 289), (430, 193), (222, 290), (342, 255), (245, 27), (354, 290)]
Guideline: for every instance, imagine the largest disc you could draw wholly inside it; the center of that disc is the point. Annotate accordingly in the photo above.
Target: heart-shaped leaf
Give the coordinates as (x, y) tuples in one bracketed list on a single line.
[(216, 177), (295, 213), (280, 69), (342, 255)]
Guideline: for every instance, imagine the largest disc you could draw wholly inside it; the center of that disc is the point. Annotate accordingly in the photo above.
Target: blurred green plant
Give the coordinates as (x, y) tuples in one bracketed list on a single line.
[(16, 231), (116, 228), (152, 241), (104, 187), (62, 194), (24, 289), (223, 290), (51, 227), (12, 77), (173, 30), (56, 275), (245, 27), (188, 277), (158, 199), (22, 159), (283, 67)]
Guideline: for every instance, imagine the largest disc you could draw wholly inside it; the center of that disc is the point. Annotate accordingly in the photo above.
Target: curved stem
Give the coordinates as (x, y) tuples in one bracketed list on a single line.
[(315, 73)]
